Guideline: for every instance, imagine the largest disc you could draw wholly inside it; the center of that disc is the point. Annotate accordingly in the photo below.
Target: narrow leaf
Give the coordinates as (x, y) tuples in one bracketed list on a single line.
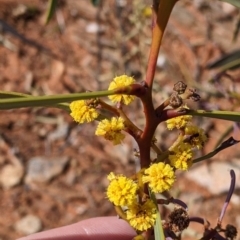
[(226, 144), (235, 3), (236, 30), (158, 229), (95, 2), (51, 9), (224, 115), (234, 95), (229, 61), (42, 101), (5, 95)]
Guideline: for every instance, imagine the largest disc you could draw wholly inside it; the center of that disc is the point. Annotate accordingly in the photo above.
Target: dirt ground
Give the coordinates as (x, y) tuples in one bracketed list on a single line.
[(83, 48)]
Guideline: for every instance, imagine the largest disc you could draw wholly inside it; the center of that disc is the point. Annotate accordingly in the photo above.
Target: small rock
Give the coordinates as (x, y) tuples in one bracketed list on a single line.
[(215, 178), (121, 3), (93, 28), (19, 11), (228, 8), (11, 175), (161, 60), (60, 132), (29, 224), (81, 209), (41, 169)]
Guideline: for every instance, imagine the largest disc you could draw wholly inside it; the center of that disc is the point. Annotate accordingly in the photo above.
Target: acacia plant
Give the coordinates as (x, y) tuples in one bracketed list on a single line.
[(135, 197)]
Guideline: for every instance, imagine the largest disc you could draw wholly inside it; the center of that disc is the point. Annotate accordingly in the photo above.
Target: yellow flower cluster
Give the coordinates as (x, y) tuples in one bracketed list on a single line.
[(127, 193), (182, 157), (178, 122), (142, 216), (198, 136), (123, 192), (159, 176), (118, 82), (85, 111), (82, 111), (194, 137), (111, 129)]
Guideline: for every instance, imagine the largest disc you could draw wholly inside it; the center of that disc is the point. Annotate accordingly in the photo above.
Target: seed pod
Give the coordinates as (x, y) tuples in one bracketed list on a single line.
[(180, 87)]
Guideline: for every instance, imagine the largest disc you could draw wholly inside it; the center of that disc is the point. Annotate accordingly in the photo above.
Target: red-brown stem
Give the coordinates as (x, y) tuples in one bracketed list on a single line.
[(163, 105), (160, 19), (134, 89), (170, 113), (159, 24), (108, 107)]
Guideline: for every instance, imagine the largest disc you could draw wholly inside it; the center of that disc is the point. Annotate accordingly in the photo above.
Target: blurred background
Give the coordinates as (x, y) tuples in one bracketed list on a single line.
[(52, 170)]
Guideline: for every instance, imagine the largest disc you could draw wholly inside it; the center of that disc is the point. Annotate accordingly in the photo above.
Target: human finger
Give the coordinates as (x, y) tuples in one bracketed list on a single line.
[(101, 228)]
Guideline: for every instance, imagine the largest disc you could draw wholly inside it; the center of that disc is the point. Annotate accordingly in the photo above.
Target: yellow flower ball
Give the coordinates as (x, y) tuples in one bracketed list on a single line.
[(182, 156), (111, 129), (82, 112), (199, 136), (142, 216), (118, 82), (121, 190), (178, 122), (159, 176)]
